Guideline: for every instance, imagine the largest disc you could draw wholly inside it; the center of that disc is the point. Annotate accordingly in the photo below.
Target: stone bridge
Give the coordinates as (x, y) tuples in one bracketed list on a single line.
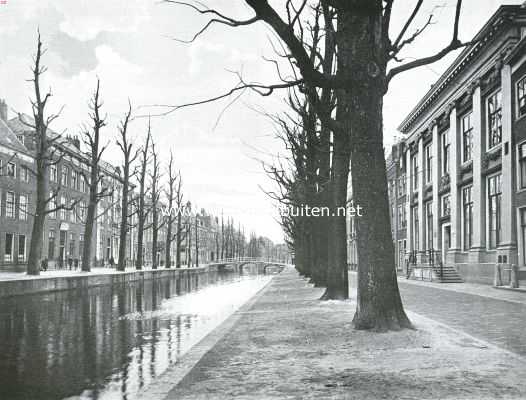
[(249, 264)]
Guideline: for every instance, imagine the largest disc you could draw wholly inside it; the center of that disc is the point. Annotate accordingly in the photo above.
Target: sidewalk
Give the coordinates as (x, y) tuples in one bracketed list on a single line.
[(477, 289), (286, 344), (61, 273)]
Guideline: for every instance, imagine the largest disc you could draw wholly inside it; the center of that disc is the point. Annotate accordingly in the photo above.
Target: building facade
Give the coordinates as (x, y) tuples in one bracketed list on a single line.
[(464, 156)]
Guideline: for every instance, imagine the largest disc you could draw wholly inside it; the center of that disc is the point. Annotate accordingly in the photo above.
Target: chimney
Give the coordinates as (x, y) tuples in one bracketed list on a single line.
[(3, 110)]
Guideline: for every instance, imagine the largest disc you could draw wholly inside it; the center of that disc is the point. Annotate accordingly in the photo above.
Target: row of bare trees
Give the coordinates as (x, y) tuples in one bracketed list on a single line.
[(50, 149), (149, 197), (341, 57)]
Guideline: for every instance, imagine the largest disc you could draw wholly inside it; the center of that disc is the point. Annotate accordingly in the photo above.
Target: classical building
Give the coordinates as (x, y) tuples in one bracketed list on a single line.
[(464, 157)]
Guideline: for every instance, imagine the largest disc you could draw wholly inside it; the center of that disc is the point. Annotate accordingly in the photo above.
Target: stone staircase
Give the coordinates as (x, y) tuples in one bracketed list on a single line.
[(449, 274)]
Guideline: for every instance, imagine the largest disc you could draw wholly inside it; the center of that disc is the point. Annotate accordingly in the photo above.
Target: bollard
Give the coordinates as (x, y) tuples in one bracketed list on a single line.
[(497, 280), (514, 278)]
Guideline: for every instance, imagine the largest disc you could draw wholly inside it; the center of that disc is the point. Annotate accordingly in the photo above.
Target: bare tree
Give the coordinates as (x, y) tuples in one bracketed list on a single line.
[(171, 216), (155, 197), (91, 138), (180, 234), (47, 153), (129, 157), (363, 73), (142, 210)]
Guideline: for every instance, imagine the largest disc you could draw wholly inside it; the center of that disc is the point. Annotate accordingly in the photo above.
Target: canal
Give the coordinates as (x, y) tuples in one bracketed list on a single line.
[(108, 342)]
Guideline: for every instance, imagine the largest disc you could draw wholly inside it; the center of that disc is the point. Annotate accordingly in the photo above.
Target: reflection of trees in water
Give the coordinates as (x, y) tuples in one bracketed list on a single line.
[(59, 344)]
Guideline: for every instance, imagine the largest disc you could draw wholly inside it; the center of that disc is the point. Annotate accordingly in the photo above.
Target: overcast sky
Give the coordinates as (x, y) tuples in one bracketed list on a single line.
[(129, 45)]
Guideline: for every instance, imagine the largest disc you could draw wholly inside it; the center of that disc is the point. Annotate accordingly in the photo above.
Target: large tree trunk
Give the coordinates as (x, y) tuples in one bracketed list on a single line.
[(168, 244), (178, 238), (140, 232), (379, 305), (337, 276), (155, 231), (37, 232), (121, 266), (88, 230)]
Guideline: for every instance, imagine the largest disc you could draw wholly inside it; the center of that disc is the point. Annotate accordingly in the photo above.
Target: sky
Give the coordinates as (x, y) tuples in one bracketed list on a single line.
[(132, 47)]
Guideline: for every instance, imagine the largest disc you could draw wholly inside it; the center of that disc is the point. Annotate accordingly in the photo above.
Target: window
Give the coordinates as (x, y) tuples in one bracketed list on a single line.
[(521, 97), (10, 204), (53, 173), (11, 169), (81, 245), (21, 247), (446, 206), (414, 171), (51, 245), (52, 205), (63, 211), (429, 225), (467, 138), (401, 217), (8, 250), (445, 152), (494, 110), (467, 217), (416, 238), (494, 203), (25, 174), (401, 185), (429, 163), (74, 180), (71, 245), (22, 207), (64, 179), (82, 184)]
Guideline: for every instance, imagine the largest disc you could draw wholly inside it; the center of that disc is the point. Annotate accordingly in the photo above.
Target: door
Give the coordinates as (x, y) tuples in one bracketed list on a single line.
[(446, 240), (62, 247)]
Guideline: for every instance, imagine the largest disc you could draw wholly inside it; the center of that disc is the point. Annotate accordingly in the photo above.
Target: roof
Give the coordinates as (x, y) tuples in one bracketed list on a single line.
[(481, 39), (9, 139)]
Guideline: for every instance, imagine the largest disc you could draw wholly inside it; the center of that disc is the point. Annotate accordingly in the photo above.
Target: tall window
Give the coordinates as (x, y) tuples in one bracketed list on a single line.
[(25, 174), (53, 173), (82, 184), (467, 217), (414, 171), (401, 185), (81, 245), (429, 225), (8, 250), (415, 222), (521, 97), (429, 163), (467, 138), (494, 203), (446, 205), (401, 217), (523, 236), (52, 205), (522, 165), (64, 179), (11, 169), (10, 204), (63, 211), (71, 245), (51, 245), (21, 247), (74, 180), (445, 152), (22, 207), (494, 111)]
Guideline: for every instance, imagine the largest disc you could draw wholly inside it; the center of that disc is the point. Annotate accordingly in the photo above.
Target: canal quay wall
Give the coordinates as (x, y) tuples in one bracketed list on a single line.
[(26, 285)]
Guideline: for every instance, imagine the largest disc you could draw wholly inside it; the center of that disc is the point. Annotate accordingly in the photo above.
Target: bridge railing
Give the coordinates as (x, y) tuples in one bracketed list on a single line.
[(238, 260)]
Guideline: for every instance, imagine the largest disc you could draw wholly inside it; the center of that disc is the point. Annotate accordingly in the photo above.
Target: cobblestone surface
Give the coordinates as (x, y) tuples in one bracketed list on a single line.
[(499, 321)]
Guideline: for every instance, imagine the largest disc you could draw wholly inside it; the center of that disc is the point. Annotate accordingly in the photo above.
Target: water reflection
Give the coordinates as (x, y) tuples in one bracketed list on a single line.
[(108, 342)]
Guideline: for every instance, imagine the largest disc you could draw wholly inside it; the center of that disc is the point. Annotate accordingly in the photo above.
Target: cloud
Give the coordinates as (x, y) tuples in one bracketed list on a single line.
[(85, 19)]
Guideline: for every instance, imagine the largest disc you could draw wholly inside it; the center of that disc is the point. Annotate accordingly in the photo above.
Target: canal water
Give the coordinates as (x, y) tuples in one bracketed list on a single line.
[(108, 342)]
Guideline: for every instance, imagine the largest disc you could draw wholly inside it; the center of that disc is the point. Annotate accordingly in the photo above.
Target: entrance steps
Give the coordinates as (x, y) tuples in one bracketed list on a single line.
[(449, 274)]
